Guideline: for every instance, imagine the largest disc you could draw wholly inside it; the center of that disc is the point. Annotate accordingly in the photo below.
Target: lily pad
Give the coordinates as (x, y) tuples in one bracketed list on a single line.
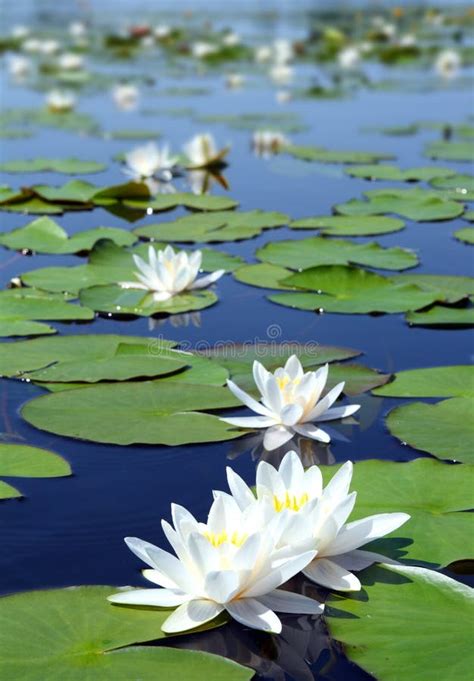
[(440, 315), (22, 327), (435, 495), (461, 187), (466, 235), (132, 134), (349, 290), (450, 151), (469, 216), (148, 412), (315, 251), (43, 235), (220, 226), (445, 381), (389, 172), (311, 153), (23, 461), (400, 617), (69, 166), (74, 191), (80, 634), (415, 204), (264, 275), (449, 288), (445, 429), (192, 201), (341, 225)]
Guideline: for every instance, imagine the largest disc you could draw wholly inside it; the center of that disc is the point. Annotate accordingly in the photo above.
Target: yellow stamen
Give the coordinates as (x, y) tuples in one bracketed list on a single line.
[(224, 538), (290, 501)]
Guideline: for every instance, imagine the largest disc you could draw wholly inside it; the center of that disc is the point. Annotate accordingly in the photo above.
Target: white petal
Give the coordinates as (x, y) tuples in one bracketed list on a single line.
[(248, 400), (338, 486), (339, 412), (133, 284), (170, 566), (160, 598), (240, 490), (276, 436), (321, 376), (271, 397), (326, 402), (287, 601), (221, 585), (362, 531), (139, 548), (294, 368), (249, 421), (260, 375), (332, 576), (251, 613), (207, 280), (291, 471), (161, 296), (191, 615), (359, 560), (287, 568), (291, 414), (312, 431)]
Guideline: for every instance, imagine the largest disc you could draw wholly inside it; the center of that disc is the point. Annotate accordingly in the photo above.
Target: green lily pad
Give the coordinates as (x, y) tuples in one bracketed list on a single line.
[(450, 289), (70, 166), (349, 290), (43, 235), (23, 461), (445, 429), (341, 225), (315, 251), (435, 495), (220, 226), (311, 153), (415, 204), (469, 216), (447, 381), (466, 235), (36, 206), (192, 201), (264, 275), (132, 134), (148, 412), (400, 618), (389, 172), (450, 151), (22, 327), (81, 635), (440, 315), (74, 191), (462, 186)]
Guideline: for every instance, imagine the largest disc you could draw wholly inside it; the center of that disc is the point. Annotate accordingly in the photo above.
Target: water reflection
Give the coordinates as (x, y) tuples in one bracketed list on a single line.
[(201, 181), (310, 452)]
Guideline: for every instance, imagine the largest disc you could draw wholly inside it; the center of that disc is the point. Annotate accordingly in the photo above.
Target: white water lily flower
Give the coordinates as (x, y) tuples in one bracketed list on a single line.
[(70, 61), (19, 67), (283, 96), (290, 403), (267, 142), (148, 159), (316, 518), (19, 32), (31, 45), (282, 51), (125, 96), (281, 73), (234, 80), (49, 47), (60, 102), (201, 50), (229, 564), (202, 151), (231, 39), (162, 31), (263, 54), (448, 63), (348, 58), (77, 29), (166, 274)]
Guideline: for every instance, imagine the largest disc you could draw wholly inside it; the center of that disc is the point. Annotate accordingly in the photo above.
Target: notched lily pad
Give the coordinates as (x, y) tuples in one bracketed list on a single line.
[(414, 204), (341, 225), (439, 315), (450, 151), (69, 166), (389, 172), (311, 153), (466, 235), (444, 381), (23, 461)]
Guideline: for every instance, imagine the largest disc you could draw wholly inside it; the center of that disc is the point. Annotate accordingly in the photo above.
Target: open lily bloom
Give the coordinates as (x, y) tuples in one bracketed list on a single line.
[(316, 518), (230, 563), (290, 403), (148, 160), (19, 67), (60, 102), (71, 61), (447, 64), (202, 152), (268, 142), (168, 273), (125, 96), (348, 58)]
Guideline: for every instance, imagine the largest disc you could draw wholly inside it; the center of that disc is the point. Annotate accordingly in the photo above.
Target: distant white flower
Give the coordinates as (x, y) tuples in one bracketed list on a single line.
[(19, 67), (448, 63), (407, 40), (281, 73), (283, 96), (126, 96), (162, 31), (148, 159), (228, 564), (166, 274), (20, 32), (31, 45), (290, 403), (384, 28), (200, 50), (234, 80), (60, 102), (49, 47), (202, 152), (231, 39), (147, 42), (77, 29), (348, 58), (267, 142), (70, 61), (316, 517), (282, 51), (263, 54)]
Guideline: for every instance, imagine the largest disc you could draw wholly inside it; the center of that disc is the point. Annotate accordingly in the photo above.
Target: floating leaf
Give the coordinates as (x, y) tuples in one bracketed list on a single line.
[(220, 226), (469, 216), (450, 151), (445, 429), (316, 250), (135, 134), (194, 202), (148, 412), (264, 275), (309, 153), (43, 235), (402, 615), (80, 633), (23, 461), (389, 172), (466, 235), (70, 166), (21, 327), (342, 225), (435, 495), (415, 204), (458, 187), (349, 290), (449, 288), (442, 316), (74, 191), (447, 381)]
